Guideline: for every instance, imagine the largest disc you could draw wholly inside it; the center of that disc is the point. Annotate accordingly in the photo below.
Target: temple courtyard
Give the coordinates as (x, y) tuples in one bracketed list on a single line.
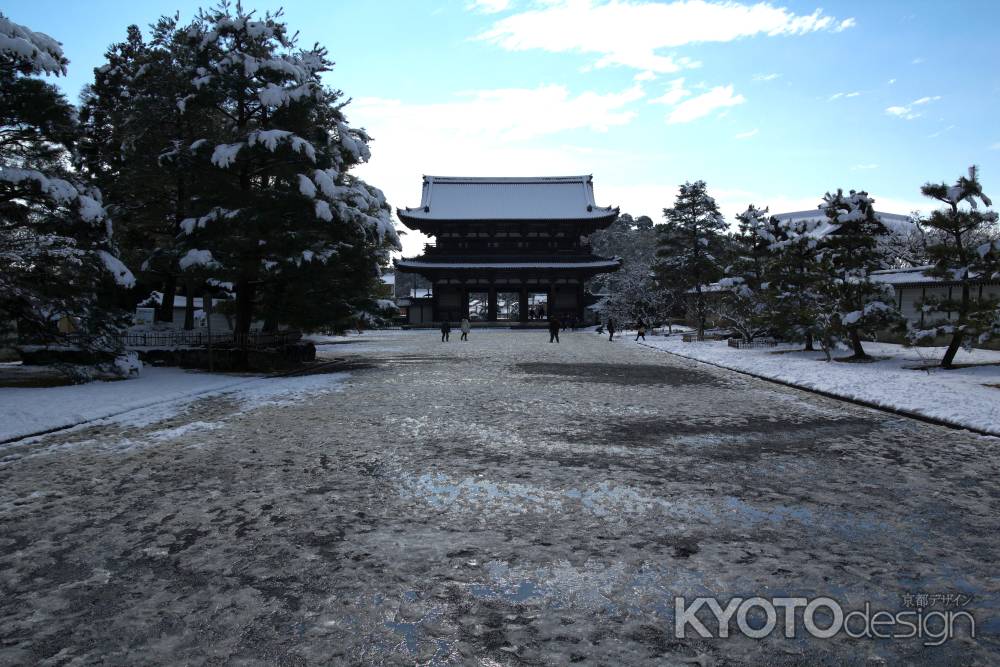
[(498, 501)]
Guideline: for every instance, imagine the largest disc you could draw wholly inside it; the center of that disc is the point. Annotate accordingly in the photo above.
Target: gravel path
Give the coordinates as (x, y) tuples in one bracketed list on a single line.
[(501, 501)]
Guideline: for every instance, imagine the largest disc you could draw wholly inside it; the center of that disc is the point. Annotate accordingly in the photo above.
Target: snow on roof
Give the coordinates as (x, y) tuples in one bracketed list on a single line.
[(416, 264), (517, 198), (914, 275)]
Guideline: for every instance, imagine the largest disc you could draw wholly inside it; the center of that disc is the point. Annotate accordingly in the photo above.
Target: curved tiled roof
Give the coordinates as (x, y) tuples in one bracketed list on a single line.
[(504, 198)]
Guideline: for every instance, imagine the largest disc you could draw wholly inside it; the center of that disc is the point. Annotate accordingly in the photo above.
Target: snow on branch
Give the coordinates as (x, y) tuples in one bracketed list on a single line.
[(123, 277), (34, 50), (190, 225), (198, 258)]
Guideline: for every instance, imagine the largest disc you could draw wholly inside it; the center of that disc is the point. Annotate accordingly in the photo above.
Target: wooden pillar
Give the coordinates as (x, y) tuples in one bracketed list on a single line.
[(491, 309), (523, 305), (435, 310), (550, 300), (579, 302), (464, 303)]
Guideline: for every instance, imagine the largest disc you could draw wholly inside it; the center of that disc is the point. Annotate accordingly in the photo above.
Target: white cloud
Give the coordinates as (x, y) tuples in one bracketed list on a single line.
[(632, 33), (645, 76), (837, 96), (697, 107), (995, 147), (687, 110), (747, 135), (675, 93), (892, 81), (490, 6), (864, 167), (853, 94), (907, 112), (484, 133), (917, 61), (845, 24), (766, 77)]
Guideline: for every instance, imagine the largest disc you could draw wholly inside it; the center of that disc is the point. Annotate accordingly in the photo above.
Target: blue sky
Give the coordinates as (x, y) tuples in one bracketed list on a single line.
[(770, 103)]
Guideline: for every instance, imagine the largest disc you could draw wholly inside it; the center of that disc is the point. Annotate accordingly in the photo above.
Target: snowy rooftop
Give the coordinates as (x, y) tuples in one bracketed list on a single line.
[(914, 275), (519, 198)]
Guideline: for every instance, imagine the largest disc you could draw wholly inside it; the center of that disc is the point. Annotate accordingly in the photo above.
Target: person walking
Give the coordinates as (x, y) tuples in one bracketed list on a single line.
[(640, 330), (554, 325), (445, 330), (611, 330), (466, 328)]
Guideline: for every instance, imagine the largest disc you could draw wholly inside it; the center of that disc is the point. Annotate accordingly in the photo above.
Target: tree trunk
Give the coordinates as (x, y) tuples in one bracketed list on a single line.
[(188, 308), (245, 291), (956, 342), (809, 343), (956, 338), (859, 352), (166, 311)]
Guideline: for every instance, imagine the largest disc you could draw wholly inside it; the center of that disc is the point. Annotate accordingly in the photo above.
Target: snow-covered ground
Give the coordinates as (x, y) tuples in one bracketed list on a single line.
[(498, 501), (968, 397), (157, 394)]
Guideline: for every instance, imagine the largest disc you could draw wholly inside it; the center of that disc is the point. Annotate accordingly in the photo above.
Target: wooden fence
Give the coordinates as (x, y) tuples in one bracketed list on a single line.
[(181, 338), (743, 344)]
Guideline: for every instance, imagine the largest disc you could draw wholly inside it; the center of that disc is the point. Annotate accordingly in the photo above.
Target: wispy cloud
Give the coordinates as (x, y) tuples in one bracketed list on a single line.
[(688, 107), (917, 61), (837, 96), (907, 112), (892, 81), (632, 34), (747, 135), (645, 76), (700, 106), (864, 167), (845, 24), (937, 134), (490, 6), (766, 77), (995, 147), (675, 93)]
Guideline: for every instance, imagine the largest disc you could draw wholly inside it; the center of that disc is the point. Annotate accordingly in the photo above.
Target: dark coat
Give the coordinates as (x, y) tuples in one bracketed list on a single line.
[(554, 325)]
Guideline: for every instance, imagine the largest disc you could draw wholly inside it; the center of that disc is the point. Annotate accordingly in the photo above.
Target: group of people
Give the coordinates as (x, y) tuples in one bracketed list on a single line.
[(554, 326), (464, 327), (640, 330)]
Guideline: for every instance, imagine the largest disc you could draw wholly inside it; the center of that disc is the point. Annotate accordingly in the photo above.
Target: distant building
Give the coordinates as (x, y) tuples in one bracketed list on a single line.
[(912, 287), (507, 249)]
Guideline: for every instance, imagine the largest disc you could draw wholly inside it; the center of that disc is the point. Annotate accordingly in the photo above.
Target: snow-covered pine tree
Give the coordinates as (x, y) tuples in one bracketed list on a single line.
[(746, 306), (800, 310), (854, 247), (688, 246), (961, 246), (55, 234), (140, 143), (280, 200)]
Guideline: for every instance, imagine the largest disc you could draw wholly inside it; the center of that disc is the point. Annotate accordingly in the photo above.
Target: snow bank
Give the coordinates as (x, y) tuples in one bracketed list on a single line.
[(961, 397), (157, 394)]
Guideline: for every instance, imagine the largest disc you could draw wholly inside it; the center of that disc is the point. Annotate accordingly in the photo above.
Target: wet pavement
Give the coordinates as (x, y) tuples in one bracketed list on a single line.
[(501, 501)]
